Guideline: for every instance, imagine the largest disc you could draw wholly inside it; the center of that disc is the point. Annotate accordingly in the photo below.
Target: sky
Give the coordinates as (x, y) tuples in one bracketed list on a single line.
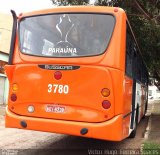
[(21, 6)]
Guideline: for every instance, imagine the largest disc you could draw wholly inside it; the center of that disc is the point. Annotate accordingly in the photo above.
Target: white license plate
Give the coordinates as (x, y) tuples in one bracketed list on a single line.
[(55, 109)]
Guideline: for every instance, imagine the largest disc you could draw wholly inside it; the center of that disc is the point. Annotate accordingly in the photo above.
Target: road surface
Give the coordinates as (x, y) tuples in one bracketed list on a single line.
[(17, 141)]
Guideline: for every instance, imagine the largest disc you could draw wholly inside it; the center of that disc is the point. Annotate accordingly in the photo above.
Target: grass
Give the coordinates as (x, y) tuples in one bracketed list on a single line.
[(151, 148)]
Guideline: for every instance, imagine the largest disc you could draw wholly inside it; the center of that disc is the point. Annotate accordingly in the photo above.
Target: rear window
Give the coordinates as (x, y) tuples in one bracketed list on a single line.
[(66, 35)]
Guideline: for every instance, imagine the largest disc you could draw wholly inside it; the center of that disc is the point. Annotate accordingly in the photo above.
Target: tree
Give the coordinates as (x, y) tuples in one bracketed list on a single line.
[(69, 2), (144, 16)]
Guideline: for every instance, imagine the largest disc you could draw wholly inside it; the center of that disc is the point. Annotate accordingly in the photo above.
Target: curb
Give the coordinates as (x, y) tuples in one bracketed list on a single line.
[(148, 128)]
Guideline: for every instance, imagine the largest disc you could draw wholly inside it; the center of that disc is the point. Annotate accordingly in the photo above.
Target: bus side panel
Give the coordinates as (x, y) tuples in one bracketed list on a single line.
[(122, 88), (138, 103), (128, 93), (140, 100), (117, 82)]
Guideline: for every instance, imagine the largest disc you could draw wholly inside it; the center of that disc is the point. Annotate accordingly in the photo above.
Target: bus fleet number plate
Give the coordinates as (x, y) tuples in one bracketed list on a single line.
[(55, 109)]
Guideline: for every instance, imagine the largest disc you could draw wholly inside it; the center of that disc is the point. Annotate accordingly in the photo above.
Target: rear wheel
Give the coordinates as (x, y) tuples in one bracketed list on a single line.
[(133, 133)]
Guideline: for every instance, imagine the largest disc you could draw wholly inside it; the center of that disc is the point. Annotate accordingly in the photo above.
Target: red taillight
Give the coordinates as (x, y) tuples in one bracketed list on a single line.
[(57, 75), (13, 97), (106, 104)]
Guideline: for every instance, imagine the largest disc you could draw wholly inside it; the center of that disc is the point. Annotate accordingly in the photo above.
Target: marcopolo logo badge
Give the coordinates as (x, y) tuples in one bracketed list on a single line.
[(52, 67), (59, 67)]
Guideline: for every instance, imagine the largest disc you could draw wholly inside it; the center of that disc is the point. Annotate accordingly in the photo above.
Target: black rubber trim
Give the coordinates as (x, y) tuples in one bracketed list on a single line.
[(13, 38), (126, 115)]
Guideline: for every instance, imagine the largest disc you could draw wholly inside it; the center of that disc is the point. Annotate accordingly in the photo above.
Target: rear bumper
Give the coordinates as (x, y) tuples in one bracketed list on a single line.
[(109, 130)]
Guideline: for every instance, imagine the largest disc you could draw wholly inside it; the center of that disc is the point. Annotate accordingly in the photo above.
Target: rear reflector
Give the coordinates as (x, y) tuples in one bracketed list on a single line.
[(106, 104), (13, 97), (116, 10), (57, 75), (31, 109)]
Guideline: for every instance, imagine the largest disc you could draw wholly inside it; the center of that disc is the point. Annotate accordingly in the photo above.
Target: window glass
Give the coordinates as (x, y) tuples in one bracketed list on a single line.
[(66, 35)]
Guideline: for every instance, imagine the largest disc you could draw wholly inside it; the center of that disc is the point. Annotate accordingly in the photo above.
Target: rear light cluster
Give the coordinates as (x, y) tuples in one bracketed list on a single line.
[(14, 90), (13, 98), (105, 93)]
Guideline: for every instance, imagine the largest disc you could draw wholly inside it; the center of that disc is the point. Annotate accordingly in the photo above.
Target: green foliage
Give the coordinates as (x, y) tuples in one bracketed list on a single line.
[(69, 2), (150, 148), (107, 2), (147, 32)]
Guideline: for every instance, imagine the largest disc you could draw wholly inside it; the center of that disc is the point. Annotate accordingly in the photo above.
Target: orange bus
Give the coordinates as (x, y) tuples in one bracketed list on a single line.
[(78, 71)]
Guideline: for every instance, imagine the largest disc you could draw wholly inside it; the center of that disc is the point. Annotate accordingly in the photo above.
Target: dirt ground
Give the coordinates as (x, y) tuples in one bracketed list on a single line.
[(33, 142)]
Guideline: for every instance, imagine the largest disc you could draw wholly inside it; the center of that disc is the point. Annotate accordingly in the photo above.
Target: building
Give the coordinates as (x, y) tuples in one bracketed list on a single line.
[(5, 37), (153, 93)]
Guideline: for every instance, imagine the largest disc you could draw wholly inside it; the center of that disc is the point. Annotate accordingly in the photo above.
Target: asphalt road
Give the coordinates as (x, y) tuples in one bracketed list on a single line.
[(17, 141)]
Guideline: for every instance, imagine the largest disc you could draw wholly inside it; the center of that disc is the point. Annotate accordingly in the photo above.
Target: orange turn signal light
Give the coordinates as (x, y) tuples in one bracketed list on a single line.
[(105, 92), (14, 87)]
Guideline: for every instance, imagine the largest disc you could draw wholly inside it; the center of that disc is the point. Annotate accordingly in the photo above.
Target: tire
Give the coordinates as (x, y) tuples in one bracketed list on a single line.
[(133, 133)]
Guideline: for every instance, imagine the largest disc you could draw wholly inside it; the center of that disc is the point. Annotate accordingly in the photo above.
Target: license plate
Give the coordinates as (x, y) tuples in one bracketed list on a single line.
[(55, 109)]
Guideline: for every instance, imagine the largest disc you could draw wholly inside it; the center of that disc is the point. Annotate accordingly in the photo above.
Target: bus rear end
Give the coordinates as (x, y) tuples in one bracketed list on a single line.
[(67, 73)]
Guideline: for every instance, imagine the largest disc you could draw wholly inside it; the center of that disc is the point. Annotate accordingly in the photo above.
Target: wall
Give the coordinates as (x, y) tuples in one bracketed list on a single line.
[(5, 32), (5, 37)]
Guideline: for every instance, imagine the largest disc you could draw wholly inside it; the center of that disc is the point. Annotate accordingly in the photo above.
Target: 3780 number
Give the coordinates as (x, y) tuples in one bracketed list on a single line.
[(55, 88)]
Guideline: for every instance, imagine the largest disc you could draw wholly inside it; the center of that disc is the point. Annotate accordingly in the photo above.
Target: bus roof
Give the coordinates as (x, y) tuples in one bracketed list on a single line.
[(71, 9)]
